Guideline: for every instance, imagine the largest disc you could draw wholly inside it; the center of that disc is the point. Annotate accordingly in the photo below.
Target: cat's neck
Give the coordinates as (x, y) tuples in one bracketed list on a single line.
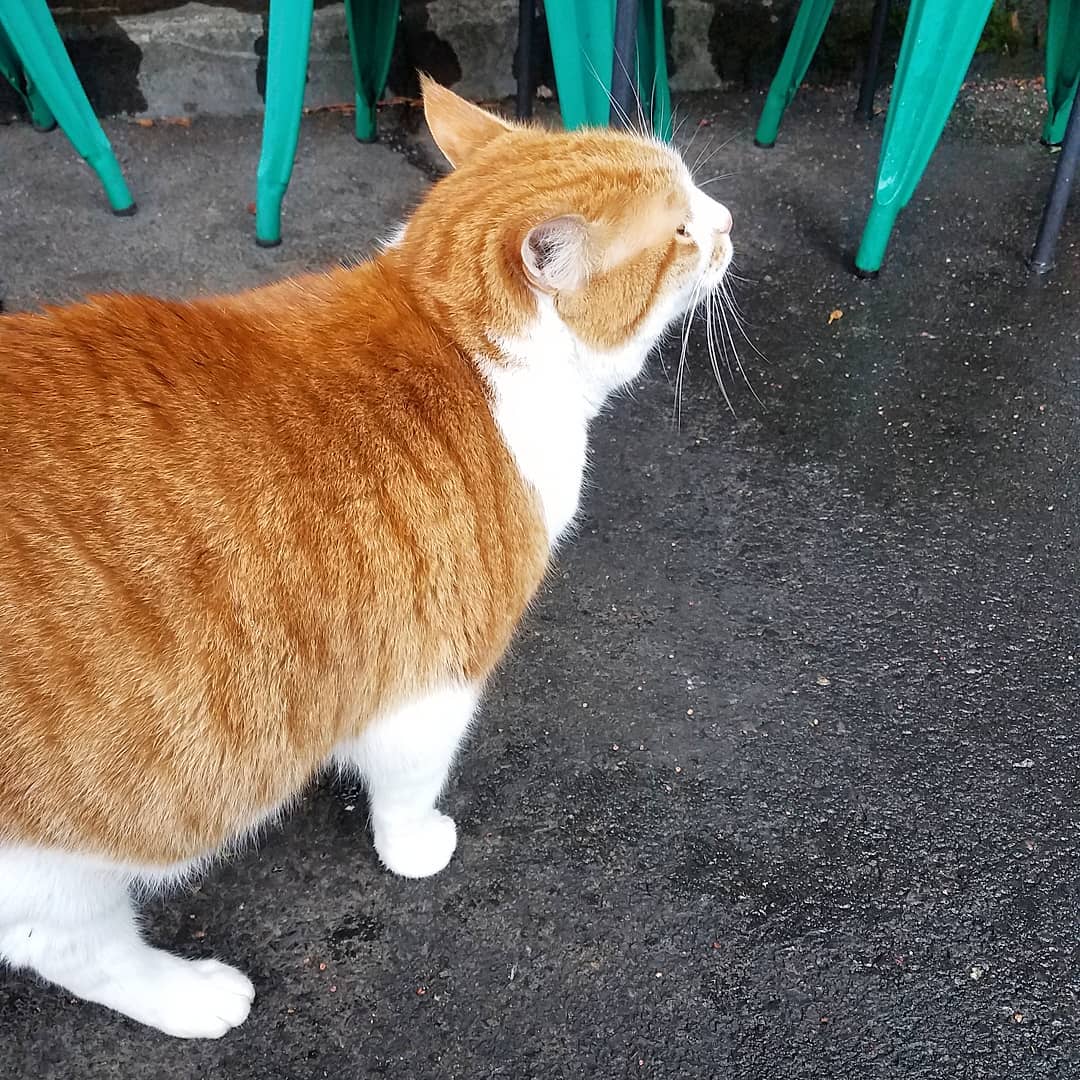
[(546, 385), (546, 388)]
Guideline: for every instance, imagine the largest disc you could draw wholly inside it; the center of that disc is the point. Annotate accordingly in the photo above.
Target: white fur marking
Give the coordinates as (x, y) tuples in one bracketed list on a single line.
[(72, 922), (405, 758), (394, 239), (548, 389)]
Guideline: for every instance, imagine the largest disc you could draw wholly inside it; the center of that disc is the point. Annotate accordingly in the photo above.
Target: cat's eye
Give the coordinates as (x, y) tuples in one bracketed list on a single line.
[(682, 232)]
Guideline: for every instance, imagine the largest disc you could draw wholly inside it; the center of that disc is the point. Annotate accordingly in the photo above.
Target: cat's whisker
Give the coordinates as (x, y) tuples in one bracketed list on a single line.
[(676, 404), (685, 153), (697, 161), (678, 122), (740, 321), (741, 278), (725, 295), (645, 126), (708, 160), (660, 356), (733, 304), (619, 110), (710, 338), (718, 333), (688, 319), (729, 292), (728, 141), (705, 155), (719, 340), (723, 342), (716, 148), (734, 352), (693, 139), (713, 179), (652, 99)]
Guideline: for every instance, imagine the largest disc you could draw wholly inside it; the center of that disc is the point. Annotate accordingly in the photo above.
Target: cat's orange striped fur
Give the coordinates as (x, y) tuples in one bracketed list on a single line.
[(233, 532), (246, 535)]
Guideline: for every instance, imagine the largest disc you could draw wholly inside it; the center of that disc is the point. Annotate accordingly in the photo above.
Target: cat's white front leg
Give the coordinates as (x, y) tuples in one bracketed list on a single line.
[(405, 758), (73, 923)]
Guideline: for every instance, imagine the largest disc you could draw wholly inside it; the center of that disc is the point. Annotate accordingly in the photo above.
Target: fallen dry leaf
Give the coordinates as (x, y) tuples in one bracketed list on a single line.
[(343, 107), (175, 121), (835, 315), (347, 108)]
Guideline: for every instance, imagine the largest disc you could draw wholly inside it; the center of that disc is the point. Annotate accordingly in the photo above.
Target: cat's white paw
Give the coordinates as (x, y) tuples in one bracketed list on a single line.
[(418, 849), (191, 999)]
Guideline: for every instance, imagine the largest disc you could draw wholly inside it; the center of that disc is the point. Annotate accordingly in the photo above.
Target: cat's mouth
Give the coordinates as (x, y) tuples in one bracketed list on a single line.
[(723, 250), (712, 276)]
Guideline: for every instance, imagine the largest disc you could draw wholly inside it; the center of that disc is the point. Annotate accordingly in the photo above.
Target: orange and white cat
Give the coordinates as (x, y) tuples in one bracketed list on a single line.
[(246, 537)]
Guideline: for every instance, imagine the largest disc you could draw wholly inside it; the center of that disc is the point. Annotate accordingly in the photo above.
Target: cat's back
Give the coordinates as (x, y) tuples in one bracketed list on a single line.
[(228, 530)]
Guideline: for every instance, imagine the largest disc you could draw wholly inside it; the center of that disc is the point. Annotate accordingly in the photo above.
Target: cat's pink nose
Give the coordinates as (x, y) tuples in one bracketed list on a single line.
[(723, 219)]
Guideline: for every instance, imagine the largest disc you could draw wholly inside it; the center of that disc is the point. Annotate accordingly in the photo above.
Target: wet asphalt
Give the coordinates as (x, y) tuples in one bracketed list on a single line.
[(781, 778)]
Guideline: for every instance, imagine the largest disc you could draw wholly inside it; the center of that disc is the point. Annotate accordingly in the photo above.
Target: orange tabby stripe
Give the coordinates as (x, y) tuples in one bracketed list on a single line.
[(234, 531)]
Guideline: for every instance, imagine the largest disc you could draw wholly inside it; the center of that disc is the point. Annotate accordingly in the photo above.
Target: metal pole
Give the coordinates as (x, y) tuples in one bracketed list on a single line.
[(526, 82), (623, 83), (1043, 256), (865, 108)]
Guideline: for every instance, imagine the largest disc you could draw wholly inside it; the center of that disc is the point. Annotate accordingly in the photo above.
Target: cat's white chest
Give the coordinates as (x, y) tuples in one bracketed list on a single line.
[(544, 420)]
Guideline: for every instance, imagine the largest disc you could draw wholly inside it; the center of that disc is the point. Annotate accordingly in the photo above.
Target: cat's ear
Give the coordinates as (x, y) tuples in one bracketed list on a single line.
[(555, 255), (458, 127)]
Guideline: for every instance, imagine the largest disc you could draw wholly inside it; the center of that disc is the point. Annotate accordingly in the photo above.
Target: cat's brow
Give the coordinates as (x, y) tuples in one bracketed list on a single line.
[(647, 224)]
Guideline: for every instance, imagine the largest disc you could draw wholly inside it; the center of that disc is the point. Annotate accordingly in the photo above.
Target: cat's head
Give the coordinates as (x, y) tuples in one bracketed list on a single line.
[(597, 235)]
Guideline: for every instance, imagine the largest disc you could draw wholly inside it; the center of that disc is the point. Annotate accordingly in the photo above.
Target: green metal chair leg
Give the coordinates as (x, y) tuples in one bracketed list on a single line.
[(12, 70), (805, 35), (41, 116), (939, 42), (1062, 66), (372, 29), (33, 38), (582, 49), (289, 38)]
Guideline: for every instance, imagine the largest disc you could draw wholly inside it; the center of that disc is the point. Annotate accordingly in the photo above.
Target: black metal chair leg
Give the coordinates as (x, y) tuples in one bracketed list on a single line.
[(623, 83), (865, 108), (1042, 258), (526, 75)]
